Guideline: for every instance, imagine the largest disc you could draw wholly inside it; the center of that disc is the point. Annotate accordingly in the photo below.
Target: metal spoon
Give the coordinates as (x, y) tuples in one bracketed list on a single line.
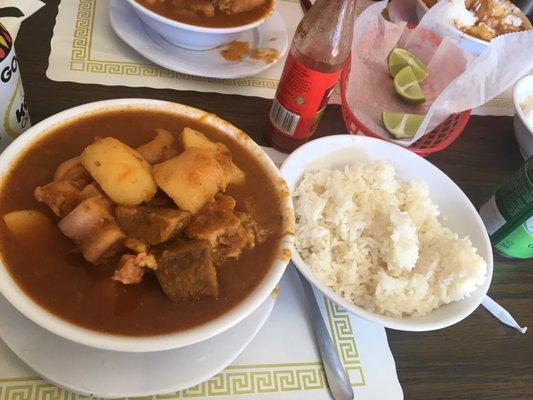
[(338, 380)]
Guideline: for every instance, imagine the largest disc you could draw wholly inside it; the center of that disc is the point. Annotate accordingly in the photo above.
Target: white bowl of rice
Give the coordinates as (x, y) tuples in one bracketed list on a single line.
[(386, 234)]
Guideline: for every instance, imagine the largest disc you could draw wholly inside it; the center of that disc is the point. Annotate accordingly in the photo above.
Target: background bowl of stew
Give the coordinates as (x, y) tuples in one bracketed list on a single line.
[(136, 318), (201, 33)]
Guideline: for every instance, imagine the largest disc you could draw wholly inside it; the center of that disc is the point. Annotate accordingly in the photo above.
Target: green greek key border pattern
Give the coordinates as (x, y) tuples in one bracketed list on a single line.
[(234, 380)]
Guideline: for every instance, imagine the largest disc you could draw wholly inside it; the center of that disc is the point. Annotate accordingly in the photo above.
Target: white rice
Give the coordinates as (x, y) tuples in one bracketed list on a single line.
[(378, 242)]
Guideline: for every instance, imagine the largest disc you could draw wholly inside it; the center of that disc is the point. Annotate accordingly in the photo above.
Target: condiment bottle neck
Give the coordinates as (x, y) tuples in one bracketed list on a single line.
[(325, 33)]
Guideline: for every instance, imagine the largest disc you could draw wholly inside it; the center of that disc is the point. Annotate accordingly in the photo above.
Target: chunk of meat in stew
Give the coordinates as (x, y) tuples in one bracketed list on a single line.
[(151, 225), (61, 196), (131, 268), (219, 223), (163, 147), (186, 271), (136, 245), (94, 190), (204, 7), (94, 230), (72, 171), (237, 6)]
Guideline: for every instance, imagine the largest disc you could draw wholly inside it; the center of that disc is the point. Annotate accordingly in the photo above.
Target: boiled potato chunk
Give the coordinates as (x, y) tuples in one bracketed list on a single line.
[(192, 138), (191, 179), (120, 171), (24, 222)]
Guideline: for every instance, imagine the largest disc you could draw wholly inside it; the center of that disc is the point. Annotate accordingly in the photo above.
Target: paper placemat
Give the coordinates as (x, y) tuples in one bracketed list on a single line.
[(281, 362), (85, 49)]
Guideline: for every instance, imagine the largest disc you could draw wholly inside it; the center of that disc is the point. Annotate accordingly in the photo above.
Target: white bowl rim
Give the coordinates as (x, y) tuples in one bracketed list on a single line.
[(402, 324), (524, 81), (24, 303), (198, 28)]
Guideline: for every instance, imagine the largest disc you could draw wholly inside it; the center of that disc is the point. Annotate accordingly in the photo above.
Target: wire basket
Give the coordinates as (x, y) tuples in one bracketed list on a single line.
[(436, 140)]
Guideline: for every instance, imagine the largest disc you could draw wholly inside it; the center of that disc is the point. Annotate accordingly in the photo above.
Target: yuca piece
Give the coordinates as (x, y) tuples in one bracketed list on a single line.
[(191, 138), (23, 222), (190, 179), (122, 173)]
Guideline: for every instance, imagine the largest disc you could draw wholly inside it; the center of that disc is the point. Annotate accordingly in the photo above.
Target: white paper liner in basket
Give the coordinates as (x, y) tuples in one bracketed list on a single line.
[(456, 81)]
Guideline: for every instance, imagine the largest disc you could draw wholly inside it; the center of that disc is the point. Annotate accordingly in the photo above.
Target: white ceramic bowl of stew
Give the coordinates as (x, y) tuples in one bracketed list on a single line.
[(25, 304), (192, 37)]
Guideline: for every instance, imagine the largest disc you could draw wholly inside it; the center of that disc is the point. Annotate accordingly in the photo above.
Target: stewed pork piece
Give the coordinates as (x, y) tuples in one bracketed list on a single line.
[(159, 149), (61, 196), (132, 267), (186, 270), (94, 230), (72, 171), (219, 224), (203, 7), (238, 6), (151, 225)]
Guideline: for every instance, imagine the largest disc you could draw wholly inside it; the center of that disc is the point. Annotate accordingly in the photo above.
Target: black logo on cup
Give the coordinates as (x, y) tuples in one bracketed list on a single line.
[(22, 114), (9, 70)]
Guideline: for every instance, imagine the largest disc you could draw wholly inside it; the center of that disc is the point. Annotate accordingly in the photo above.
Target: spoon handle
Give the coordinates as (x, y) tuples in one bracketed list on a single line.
[(338, 380)]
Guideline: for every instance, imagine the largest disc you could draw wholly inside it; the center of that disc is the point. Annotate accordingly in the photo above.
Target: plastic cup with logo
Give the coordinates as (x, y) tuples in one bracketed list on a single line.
[(14, 114)]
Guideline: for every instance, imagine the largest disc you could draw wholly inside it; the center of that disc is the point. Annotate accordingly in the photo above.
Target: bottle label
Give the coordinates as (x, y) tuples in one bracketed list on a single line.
[(301, 98), (515, 196), (514, 200), (519, 242), (508, 214)]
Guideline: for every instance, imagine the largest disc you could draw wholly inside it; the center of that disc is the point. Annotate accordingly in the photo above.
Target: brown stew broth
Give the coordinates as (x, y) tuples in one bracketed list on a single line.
[(166, 9), (49, 269)]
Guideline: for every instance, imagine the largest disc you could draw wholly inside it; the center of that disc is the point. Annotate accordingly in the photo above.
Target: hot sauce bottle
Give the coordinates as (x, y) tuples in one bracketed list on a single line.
[(319, 49)]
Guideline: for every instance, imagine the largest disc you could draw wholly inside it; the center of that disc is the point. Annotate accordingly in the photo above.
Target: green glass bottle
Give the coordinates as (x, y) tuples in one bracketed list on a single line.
[(508, 215)]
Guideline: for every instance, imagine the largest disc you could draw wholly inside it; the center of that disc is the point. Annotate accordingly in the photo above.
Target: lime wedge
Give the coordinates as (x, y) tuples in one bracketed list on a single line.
[(407, 86), (401, 126), (399, 59)]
